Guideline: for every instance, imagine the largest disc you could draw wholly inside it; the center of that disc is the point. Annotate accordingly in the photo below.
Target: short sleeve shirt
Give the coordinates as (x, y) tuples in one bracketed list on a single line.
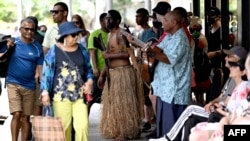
[(147, 34), (100, 60), (239, 95), (227, 89), (50, 37), (23, 63), (172, 82)]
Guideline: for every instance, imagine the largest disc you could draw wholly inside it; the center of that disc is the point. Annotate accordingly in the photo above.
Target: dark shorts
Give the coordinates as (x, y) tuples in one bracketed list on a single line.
[(171, 111)]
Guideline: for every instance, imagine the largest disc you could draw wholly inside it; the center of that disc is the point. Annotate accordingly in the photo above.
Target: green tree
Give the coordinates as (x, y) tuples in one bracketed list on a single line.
[(40, 9), (8, 11)]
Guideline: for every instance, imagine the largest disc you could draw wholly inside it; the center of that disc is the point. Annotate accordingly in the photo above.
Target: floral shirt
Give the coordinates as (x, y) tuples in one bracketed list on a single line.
[(172, 82), (238, 98), (48, 74)]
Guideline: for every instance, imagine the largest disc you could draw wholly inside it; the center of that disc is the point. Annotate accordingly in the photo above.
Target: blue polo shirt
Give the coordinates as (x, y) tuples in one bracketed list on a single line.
[(23, 63)]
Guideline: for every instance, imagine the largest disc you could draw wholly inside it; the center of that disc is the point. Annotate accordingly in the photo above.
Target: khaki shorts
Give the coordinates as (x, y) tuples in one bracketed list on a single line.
[(38, 94), (20, 99)]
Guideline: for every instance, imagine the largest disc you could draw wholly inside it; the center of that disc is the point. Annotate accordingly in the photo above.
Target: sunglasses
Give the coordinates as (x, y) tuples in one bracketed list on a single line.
[(28, 29), (236, 64), (76, 22), (43, 30), (233, 64), (55, 11), (74, 34)]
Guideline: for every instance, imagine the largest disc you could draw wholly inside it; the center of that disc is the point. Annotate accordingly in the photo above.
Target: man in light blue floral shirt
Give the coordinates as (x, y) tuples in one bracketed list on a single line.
[(172, 76)]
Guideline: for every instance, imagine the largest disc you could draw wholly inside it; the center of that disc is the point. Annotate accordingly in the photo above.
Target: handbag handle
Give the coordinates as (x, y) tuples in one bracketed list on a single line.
[(48, 111)]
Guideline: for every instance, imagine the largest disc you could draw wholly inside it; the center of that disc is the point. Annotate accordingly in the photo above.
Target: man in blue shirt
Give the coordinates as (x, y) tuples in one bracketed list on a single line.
[(25, 66), (172, 76)]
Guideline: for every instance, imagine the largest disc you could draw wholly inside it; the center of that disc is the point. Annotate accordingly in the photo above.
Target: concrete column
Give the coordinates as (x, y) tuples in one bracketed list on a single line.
[(100, 7), (148, 5), (20, 10), (109, 4), (69, 4)]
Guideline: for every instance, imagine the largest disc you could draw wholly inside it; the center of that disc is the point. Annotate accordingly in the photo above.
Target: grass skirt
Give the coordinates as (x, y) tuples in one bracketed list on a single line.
[(122, 110)]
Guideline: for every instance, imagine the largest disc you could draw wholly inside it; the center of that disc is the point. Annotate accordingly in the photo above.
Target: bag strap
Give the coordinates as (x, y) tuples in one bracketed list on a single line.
[(65, 55), (48, 111)]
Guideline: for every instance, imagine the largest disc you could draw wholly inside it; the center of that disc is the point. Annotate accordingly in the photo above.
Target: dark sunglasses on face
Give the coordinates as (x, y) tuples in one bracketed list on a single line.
[(236, 64), (74, 34), (55, 11), (233, 64), (28, 29), (76, 22)]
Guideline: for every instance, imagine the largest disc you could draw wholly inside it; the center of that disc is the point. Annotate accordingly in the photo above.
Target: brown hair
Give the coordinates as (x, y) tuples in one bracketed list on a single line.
[(81, 23)]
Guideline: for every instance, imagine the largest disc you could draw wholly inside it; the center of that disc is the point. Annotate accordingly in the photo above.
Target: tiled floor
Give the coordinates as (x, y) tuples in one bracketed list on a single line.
[(5, 134)]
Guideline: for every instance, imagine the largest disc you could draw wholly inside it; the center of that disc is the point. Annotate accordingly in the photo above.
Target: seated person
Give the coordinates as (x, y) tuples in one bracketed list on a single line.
[(195, 114), (218, 131), (239, 113)]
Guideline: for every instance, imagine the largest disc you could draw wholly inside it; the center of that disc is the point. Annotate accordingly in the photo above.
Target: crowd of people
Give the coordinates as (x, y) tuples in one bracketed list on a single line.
[(136, 77)]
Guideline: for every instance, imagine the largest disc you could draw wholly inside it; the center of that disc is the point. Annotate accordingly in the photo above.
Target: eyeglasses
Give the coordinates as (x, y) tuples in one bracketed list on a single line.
[(28, 29), (76, 22), (55, 11), (43, 30), (74, 34), (233, 64), (237, 64)]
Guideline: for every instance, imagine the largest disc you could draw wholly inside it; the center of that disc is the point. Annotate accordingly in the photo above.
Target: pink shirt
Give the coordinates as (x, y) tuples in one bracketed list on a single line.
[(238, 97)]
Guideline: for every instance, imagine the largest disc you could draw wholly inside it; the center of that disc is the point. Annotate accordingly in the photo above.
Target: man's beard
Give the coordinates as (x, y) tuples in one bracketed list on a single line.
[(111, 25)]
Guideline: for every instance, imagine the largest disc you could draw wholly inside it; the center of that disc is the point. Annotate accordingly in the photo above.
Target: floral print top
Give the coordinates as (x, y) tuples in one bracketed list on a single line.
[(49, 68), (237, 101)]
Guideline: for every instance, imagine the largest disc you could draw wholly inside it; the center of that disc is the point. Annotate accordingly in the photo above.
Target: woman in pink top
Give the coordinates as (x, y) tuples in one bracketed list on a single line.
[(236, 106)]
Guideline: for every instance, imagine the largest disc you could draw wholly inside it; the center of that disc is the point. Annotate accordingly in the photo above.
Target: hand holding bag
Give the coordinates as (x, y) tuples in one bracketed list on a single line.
[(47, 127)]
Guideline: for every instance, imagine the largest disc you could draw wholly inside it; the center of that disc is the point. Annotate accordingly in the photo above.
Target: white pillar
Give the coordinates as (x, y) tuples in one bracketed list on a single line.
[(148, 5), (20, 10), (69, 4), (109, 4), (100, 7)]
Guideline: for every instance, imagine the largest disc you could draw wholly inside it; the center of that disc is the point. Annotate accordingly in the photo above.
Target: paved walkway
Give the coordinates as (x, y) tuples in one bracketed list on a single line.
[(94, 135)]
